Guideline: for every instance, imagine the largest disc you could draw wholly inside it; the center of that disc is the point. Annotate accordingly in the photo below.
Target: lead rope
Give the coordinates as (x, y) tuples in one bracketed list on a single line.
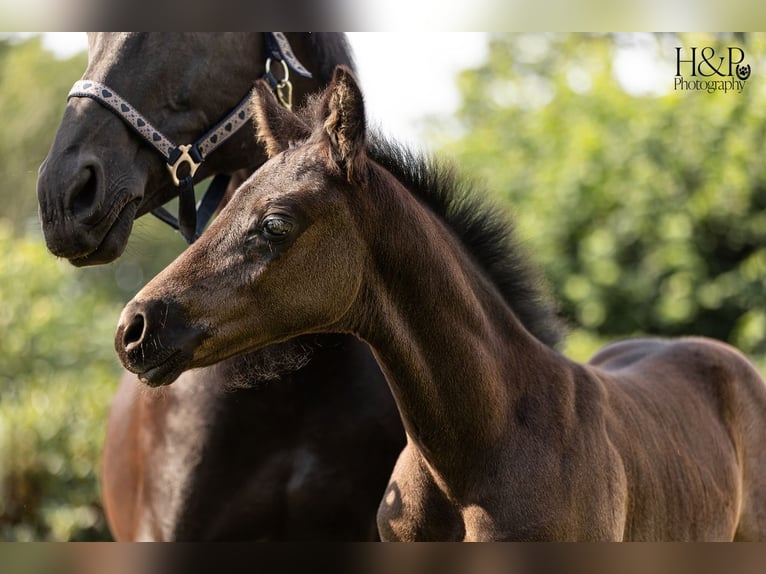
[(192, 219)]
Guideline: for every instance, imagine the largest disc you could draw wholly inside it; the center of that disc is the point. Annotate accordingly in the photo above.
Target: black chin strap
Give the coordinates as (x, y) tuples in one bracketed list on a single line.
[(192, 218)]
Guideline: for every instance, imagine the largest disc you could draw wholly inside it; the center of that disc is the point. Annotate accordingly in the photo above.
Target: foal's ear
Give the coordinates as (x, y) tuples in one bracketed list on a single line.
[(342, 110), (276, 126)]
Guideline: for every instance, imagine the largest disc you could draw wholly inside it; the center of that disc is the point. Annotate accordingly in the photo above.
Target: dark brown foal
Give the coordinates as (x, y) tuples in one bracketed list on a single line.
[(507, 439)]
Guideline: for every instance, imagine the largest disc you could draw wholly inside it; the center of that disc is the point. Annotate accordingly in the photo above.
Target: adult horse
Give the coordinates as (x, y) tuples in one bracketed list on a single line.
[(305, 457), (507, 439)]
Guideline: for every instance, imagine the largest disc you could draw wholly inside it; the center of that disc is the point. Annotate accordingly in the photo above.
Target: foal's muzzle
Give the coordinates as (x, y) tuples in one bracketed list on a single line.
[(155, 341)]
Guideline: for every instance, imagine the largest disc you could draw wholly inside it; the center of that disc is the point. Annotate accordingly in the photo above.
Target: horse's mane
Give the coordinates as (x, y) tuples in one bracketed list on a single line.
[(485, 232), (331, 49)]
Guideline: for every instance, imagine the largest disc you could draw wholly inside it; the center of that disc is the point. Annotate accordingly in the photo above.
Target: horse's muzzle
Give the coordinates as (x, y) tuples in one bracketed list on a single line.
[(82, 220)]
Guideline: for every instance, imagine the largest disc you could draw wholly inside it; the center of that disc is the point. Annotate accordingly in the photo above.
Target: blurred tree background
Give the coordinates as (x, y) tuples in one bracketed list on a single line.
[(646, 209), (645, 206), (58, 369)]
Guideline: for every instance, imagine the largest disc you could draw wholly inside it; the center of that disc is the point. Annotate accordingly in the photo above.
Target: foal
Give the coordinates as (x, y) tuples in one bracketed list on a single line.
[(507, 439)]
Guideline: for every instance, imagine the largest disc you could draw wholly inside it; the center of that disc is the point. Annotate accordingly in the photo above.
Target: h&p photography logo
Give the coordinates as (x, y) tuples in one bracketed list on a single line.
[(705, 70)]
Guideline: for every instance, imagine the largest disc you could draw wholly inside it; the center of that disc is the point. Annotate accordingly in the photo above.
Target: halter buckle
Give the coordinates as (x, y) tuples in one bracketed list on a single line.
[(183, 158)]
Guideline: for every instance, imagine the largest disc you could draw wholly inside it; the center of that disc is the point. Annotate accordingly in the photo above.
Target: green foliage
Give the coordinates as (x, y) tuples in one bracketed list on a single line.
[(33, 88), (647, 212), (57, 366), (58, 369), (57, 375)]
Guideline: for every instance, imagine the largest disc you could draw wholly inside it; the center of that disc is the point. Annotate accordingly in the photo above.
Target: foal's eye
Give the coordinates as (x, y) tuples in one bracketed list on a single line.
[(276, 227)]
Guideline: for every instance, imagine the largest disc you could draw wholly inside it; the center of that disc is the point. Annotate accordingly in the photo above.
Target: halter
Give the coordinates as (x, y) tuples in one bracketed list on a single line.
[(192, 219)]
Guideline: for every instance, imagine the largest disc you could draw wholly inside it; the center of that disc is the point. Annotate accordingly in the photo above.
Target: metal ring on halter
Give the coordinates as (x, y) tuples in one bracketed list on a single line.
[(283, 88)]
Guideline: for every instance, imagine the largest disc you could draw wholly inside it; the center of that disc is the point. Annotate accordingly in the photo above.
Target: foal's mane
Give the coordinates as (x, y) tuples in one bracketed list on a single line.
[(487, 234)]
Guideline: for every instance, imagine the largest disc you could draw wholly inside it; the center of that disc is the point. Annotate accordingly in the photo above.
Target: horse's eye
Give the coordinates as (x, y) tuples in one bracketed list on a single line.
[(276, 227)]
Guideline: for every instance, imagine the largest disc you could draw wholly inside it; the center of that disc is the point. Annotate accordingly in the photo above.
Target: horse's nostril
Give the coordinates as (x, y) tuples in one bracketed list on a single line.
[(84, 198), (134, 331)]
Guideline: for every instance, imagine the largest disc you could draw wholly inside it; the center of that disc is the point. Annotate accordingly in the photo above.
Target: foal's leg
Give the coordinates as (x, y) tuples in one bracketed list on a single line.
[(414, 508)]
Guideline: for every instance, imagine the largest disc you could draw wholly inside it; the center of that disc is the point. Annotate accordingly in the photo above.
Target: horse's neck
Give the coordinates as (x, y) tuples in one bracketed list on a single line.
[(318, 52), (243, 153), (456, 357)]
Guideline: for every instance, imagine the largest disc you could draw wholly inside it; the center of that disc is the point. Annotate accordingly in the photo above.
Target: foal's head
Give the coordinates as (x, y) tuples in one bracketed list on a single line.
[(283, 259)]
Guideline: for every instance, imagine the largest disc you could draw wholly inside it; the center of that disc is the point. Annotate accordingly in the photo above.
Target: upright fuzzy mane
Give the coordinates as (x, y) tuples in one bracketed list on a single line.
[(484, 231)]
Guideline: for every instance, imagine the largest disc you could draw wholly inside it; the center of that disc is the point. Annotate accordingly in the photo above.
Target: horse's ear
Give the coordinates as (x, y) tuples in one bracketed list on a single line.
[(276, 126), (342, 111)]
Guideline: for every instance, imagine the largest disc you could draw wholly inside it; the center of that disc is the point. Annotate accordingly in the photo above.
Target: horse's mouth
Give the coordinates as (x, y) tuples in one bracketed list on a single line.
[(114, 240), (165, 372)]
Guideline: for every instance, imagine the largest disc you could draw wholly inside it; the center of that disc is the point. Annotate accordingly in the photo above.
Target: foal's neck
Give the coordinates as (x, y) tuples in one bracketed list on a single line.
[(455, 355)]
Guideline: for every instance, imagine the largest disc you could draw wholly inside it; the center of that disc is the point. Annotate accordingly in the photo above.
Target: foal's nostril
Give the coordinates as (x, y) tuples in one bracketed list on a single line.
[(84, 197), (134, 331)]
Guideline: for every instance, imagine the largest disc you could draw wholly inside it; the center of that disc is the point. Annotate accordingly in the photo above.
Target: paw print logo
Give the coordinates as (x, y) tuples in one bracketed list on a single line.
[(743, 72)]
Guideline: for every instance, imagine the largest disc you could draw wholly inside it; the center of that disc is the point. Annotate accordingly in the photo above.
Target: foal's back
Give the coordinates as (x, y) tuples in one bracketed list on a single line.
[(684, 415)]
